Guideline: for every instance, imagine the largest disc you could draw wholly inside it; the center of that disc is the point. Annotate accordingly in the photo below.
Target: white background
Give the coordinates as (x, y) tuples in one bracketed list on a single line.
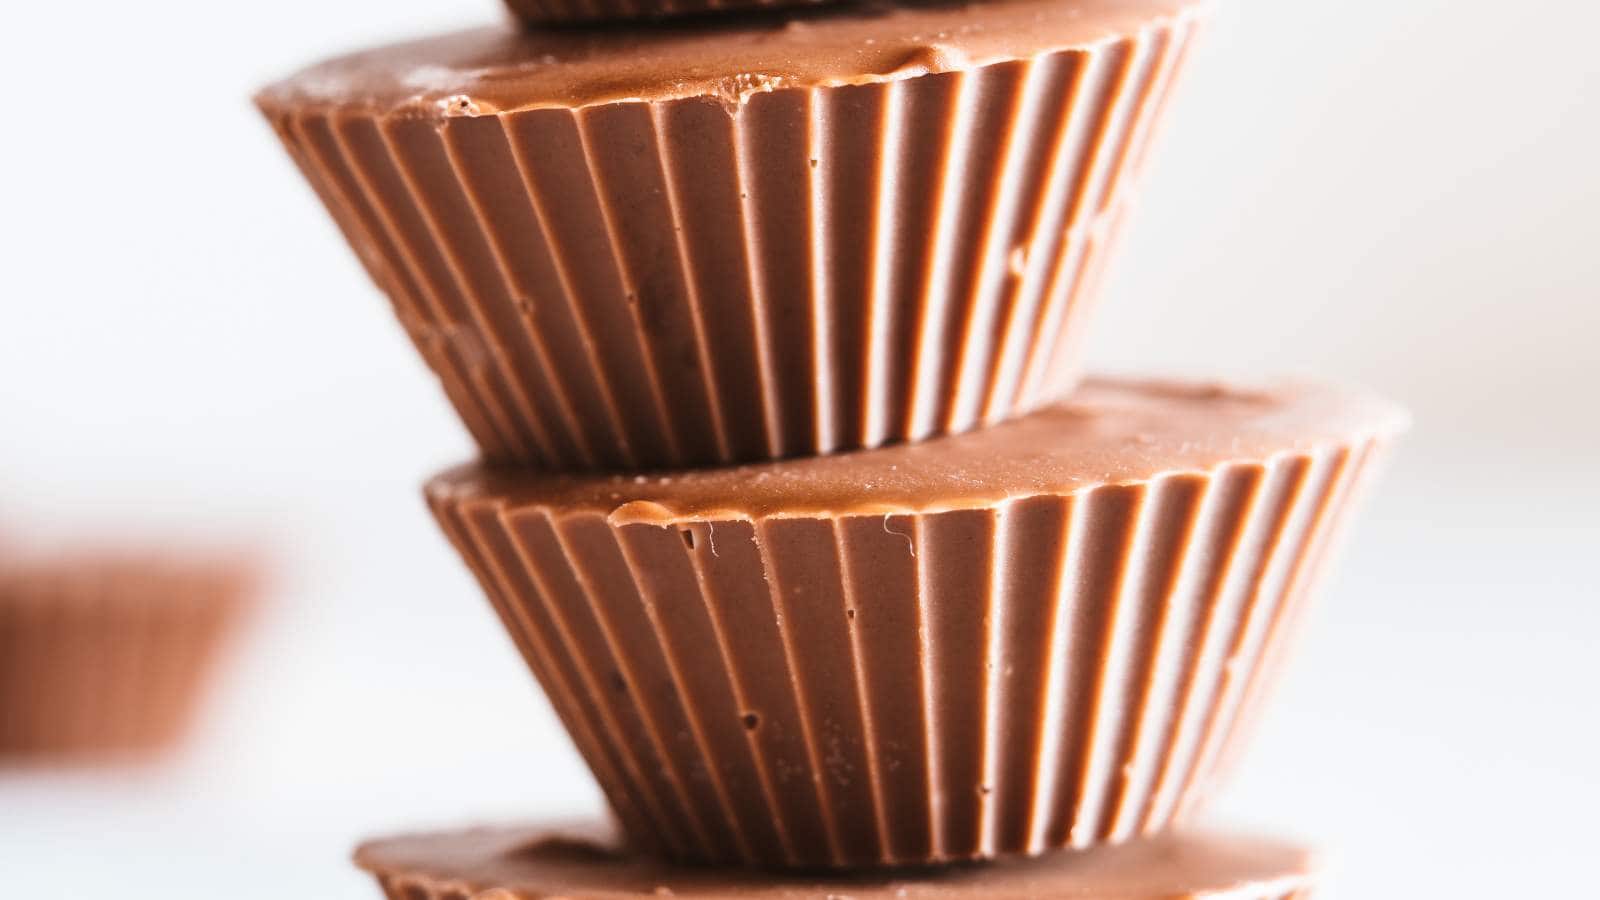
[(1402, 194)]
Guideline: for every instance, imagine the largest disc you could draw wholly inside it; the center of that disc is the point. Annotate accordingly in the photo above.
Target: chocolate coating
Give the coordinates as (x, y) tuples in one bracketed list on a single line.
[(728, 241), (551, 11), (496, 70), (1044, 634), (524, 863)]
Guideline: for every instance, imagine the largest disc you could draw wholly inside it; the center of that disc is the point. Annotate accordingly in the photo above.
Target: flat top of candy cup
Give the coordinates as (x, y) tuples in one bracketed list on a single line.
[(1111, 431), (502, 69), (521, 863), (548, 11)]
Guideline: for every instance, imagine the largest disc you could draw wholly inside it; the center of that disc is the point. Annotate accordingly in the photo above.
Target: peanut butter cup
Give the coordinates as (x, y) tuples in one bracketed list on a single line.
[(1038, 635), (539, 12), (107, 655), (743, 238)]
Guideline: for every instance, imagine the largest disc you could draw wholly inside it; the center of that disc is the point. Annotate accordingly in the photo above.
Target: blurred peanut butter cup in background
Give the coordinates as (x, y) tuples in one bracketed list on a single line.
[(531, 863)]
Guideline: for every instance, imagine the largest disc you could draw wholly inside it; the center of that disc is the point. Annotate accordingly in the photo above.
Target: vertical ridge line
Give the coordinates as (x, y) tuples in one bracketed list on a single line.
[(863, 695), (925, 664), (586, 675), (536, 653), (1265, 604), (1182, 604), (937, 299), (691, 288), (536, 340), (1047, 241), (822, 287), (445, 324), (808, 733), (1127, 58), (631, 680), (475, 408), (647, 356), (1022, 131), (769, 793), (564, 280), (879, 298), (994, 650), (697, 731), (755, 262), (1133, 546), (503, 363)]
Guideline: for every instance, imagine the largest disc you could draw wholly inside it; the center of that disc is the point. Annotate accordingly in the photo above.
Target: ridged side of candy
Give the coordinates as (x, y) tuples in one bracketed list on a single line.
[(796, 272), (1054, 671), (107, 663)]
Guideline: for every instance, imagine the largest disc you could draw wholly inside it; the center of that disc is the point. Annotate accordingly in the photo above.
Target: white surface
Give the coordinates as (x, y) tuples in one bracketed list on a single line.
[(1400, 194)]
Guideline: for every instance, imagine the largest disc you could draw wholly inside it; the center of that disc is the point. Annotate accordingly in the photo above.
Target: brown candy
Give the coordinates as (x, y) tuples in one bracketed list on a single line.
[(538, 12), (525, 863), (743, 239), (107, 655), (1042, 634)]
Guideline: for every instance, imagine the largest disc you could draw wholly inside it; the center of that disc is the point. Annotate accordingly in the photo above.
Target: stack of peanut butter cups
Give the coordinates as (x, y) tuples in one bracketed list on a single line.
[(767, 319)]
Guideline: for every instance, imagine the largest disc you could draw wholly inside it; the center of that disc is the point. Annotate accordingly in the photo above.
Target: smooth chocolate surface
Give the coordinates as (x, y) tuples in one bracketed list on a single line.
[(1044, 634), (595, 11), (495, 70), (1109, 431), (524, 863)]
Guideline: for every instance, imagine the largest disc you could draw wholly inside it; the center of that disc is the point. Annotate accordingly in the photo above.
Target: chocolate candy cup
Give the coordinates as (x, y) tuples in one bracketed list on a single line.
[(108, 655), (537, 12), (524, 863), (1034, 636), (738, 241)]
